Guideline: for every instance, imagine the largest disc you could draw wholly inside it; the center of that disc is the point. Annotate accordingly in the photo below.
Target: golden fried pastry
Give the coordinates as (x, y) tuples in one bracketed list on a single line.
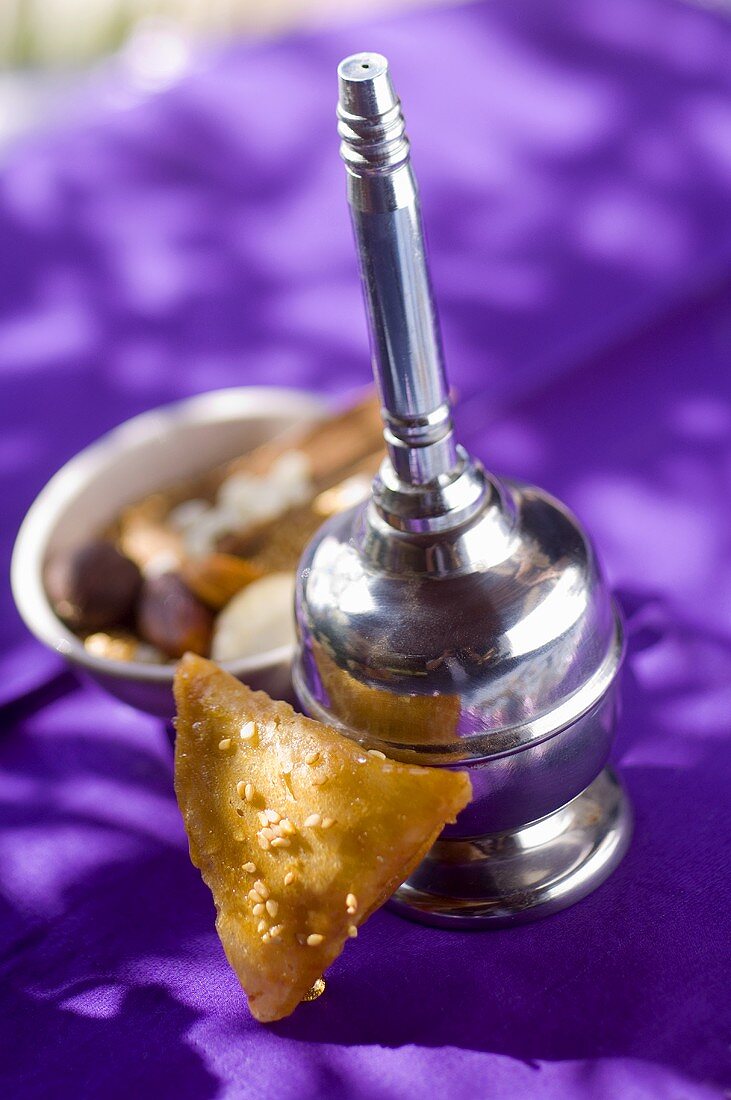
[(299, 832)]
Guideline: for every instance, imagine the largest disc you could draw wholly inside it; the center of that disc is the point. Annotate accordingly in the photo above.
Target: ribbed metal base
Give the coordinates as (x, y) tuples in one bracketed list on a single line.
[(521, 875)]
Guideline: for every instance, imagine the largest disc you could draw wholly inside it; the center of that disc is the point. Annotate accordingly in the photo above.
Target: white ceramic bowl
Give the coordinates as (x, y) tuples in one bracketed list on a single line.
[(140, 456)]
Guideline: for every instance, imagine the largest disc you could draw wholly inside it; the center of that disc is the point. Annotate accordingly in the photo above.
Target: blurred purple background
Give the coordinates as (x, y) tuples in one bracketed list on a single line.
[(575, 164)]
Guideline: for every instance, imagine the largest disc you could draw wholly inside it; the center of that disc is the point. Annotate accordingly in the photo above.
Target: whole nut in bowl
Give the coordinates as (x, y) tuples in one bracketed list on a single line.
[(94, 586), (148, 468)]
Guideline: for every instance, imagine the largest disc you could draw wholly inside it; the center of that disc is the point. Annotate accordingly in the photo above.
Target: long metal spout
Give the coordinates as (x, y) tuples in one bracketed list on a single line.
[(406, 346)]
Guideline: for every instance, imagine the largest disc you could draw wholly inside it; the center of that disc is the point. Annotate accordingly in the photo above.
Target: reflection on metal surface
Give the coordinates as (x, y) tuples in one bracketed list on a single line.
[(509, 879), (386, 715), (554, 615)]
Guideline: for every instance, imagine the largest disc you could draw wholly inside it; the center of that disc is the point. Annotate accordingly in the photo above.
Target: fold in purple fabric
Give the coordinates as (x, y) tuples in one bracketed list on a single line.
[(575, 163)]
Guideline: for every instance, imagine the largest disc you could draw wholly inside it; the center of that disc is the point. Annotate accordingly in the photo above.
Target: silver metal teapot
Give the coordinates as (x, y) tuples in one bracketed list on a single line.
[(456, 619)]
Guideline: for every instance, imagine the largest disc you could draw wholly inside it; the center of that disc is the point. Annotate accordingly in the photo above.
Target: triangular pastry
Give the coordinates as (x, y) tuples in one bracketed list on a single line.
[(298, 831)]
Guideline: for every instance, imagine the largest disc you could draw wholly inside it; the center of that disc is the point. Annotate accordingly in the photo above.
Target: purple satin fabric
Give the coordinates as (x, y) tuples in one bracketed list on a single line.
[(575, 163)]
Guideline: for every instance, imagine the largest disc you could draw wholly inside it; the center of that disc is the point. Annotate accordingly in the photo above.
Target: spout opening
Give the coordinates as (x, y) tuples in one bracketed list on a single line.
[(365, 85)]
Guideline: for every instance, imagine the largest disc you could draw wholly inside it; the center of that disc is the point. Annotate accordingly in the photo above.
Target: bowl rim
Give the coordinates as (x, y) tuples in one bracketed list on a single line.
[(31, 542)]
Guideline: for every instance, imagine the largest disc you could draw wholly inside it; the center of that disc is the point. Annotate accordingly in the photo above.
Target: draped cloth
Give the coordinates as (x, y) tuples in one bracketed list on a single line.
[(575, 163)]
